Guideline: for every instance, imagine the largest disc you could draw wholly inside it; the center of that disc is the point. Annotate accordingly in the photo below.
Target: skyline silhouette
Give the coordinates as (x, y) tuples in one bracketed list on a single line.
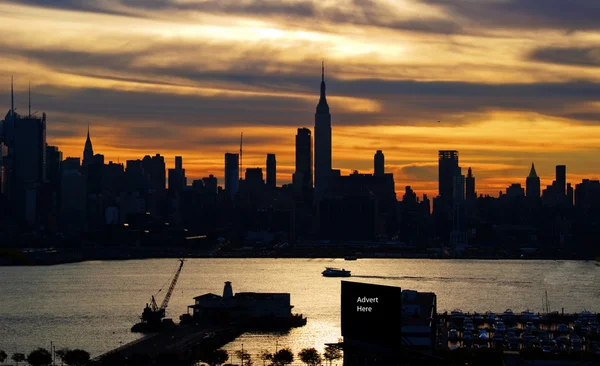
[(506, 93)]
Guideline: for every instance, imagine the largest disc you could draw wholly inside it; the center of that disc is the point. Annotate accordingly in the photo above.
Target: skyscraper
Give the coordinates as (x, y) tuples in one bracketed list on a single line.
[(304, 161), (379, 164), (155, 170), (470, 183), (177, 179), (232, 173), (561, 180), (322, 141), (271, 171), (532, 184), (88, 151), (448, 169)]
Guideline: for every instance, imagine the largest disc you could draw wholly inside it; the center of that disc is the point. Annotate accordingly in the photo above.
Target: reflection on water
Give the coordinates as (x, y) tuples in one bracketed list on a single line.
[(93, 305)]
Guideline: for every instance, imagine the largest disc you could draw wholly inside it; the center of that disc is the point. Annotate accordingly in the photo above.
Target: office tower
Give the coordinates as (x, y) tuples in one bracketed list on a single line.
[(569, 194), (379, 164), (515, 191), (210, 184), (532, 184), (254, 176), (88, 151), (70, 164), (304, 161), (155, 171), (53, 162), (177, 179), (458, 188), (322, 141), (271, 171), (135, 176), (470, 186), (232, 173), (448, 169), (561, 180)]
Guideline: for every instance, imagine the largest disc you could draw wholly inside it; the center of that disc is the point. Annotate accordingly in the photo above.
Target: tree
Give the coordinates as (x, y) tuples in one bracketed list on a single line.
[(77, 357), (18, 357), (61, 354), (112, 359), (216, 357), (266, 356), (39, 357), (332, 353), (310, 356), (244, 356), (283, 357)]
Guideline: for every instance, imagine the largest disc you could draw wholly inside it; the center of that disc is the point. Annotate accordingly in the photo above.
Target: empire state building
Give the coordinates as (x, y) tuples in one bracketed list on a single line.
[(322, 140)]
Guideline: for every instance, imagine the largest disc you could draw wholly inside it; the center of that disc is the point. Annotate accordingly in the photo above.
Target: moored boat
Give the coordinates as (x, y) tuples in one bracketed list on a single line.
[(335, 272)]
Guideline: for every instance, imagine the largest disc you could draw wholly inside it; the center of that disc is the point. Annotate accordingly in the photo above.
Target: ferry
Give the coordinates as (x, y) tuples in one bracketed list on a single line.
[(335, 272)]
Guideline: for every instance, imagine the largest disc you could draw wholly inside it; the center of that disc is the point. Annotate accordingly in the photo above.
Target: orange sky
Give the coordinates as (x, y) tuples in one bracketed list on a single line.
[(510, 82)]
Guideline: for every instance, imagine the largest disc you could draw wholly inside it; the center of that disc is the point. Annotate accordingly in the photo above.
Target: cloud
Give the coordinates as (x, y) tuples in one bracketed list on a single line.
[(420, 172), (571, 15), (572, 56), (351, 12)]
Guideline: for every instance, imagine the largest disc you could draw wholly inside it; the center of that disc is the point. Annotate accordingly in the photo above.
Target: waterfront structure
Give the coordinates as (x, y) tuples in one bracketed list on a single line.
[(532, 184), (378, 164), (322, 141), (303, 177), (232, 174), (177, 179), (271, 171)]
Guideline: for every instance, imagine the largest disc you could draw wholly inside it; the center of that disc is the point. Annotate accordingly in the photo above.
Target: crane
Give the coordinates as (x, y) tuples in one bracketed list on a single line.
[(153, 314)]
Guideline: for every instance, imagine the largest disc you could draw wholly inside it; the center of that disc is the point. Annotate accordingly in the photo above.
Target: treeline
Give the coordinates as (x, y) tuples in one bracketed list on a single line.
[(77, 357)]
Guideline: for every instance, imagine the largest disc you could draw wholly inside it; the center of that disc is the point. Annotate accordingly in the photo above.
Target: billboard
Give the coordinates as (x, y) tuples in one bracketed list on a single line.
[(371, 313)]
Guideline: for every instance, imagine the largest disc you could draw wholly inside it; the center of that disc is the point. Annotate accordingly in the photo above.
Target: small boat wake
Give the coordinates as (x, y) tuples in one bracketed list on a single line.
[(442, 279)]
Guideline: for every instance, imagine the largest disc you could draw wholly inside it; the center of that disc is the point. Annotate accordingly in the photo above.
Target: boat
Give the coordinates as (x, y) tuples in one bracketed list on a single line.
[(335, 272), (350, 258)]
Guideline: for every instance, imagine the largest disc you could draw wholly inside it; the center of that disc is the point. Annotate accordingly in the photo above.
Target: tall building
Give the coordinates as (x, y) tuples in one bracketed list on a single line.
[(448, 169), (532, 184), (322, 141), (570, 195), (470, 186), (379, 164), (561, 180), (271, 171), (177, 179), (210, 184), (304, 161), (88, 151), (155, 171), (232, 173)]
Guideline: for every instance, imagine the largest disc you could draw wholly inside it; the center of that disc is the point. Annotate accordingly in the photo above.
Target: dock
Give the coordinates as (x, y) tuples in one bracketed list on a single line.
[(185, 340)]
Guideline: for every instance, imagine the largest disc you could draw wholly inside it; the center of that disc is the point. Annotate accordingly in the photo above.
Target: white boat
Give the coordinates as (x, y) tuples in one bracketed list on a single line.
[(335, 272)]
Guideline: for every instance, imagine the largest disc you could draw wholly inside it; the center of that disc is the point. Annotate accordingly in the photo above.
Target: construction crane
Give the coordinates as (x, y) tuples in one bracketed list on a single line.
[(152, 316)]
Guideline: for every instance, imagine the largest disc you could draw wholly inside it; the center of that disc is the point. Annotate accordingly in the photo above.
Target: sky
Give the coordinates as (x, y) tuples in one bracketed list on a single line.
[(510, 82)]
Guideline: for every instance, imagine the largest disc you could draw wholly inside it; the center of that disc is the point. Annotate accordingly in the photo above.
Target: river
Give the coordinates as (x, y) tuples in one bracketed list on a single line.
[(92, 305)]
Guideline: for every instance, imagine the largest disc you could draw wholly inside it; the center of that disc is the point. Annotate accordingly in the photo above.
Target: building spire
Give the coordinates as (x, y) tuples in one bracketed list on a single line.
[(12, 97), (323, 107), (30, 99), (532, 173)]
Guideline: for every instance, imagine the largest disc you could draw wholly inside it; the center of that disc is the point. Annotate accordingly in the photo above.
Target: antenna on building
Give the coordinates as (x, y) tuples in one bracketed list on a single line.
[(12, 97), (30, 99), (241, 161)]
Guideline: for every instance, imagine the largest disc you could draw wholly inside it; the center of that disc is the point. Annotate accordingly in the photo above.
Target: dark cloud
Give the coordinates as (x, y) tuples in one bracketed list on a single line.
[(569, 15), (576, 56), (362, 12), (426, 173)]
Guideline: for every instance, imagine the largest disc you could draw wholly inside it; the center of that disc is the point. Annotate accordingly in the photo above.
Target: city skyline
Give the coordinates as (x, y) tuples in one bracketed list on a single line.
[(505, 97)]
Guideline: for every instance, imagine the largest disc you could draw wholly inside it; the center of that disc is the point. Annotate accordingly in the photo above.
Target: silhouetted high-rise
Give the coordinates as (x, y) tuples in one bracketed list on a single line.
[(155, 170), (322, 141), (232, 174), (470, 186), (379, 164), (303, 175), (532, 184), (88, 151), (561, 180), (271, 171), (177, 179), (448, 169)]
